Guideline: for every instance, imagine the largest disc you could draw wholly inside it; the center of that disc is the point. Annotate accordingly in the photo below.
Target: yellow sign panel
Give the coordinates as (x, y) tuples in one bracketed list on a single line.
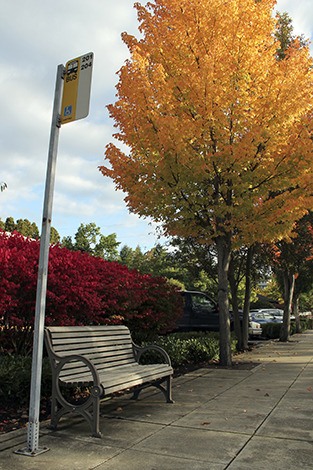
[(76, 90)]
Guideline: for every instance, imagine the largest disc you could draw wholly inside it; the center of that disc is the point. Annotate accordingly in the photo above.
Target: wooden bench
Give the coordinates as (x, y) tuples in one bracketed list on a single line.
[(104, 359)]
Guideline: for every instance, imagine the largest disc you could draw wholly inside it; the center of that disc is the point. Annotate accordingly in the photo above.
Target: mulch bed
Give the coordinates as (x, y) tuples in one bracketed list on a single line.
[(15, 417)]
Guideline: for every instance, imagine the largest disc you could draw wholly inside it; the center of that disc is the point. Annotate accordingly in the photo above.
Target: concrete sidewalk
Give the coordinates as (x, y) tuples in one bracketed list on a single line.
[(236, 419)]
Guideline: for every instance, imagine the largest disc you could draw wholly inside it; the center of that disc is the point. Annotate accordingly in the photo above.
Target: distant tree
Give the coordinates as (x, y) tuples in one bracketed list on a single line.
[(199, 263), (272, 291), (107, 247), (158, 261), (138, 259), (9, 225), (293, 265), (26, 228), (284, 35), (89, 239), (54, 236), (306, 301), (126, 256), (67, 242), (3, 186)]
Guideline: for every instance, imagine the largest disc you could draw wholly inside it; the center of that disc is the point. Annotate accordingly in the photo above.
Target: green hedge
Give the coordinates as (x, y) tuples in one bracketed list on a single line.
[(15, 378), (190, 348), (272, 330)]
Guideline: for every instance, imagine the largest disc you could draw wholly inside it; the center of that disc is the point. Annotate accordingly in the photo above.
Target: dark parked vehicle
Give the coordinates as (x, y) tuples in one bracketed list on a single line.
[(201, 313)]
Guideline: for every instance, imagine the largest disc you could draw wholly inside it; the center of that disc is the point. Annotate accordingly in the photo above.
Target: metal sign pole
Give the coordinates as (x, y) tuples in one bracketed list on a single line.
[(32, 448)]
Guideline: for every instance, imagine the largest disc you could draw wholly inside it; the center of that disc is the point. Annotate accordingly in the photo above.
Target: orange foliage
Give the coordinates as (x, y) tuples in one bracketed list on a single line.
[(218, 131)]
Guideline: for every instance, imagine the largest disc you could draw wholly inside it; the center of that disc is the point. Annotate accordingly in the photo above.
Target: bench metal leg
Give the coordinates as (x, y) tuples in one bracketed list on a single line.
[(95, 423), (167, 390), (90, 409)]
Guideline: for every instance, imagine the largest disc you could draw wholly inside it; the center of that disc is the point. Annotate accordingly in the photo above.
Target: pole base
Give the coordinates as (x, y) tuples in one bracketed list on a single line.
[(30, 453)]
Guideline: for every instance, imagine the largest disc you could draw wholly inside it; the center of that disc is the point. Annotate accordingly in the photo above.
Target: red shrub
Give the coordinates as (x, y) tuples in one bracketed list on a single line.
[(81, 289)]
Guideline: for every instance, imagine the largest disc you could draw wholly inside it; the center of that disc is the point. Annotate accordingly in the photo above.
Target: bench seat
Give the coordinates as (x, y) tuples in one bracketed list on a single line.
[(105, 360)]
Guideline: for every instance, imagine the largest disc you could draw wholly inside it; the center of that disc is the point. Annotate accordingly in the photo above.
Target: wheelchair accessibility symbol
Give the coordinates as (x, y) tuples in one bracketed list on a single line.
[(67, 111)]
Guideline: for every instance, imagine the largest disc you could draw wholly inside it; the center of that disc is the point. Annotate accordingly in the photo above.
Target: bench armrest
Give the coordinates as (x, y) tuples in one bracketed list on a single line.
[(139, 351)]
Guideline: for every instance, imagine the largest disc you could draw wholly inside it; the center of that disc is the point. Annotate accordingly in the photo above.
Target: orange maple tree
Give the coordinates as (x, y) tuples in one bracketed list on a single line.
[(217, 129)]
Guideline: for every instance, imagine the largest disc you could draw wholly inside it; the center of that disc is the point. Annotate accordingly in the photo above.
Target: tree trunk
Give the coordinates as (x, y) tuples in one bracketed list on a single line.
[(246, 306), (223, 255), (296, 313), (289, 284), (234, 300)]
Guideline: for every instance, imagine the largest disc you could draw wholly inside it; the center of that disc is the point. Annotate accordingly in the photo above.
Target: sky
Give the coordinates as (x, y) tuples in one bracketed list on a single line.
[(36, 36)]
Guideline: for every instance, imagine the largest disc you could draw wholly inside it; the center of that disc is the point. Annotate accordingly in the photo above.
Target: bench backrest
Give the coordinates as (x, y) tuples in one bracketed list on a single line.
[(105, 346)]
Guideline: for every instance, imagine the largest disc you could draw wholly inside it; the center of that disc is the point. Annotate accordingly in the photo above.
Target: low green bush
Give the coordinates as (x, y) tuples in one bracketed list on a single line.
[(189, 348), (272, 330), (15, 379), (306, 323)]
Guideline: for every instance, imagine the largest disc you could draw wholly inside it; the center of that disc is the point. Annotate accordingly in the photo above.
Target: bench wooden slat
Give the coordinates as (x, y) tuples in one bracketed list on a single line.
[(92, 340), (105, 329), (126, 377), (66, 348), (101, 350)]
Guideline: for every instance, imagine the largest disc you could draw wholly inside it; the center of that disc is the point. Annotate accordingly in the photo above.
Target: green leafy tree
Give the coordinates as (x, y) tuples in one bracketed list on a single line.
[(199, 263), (67, 242), (159, 261), (89, 239), (54, 236), (27, 228), (306, 301), (284, 35), (126, 255), (293, 264), (9, 225), (138, 259)]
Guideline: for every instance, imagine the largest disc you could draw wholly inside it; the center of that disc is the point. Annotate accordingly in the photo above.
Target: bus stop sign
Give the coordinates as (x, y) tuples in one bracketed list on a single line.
[(76, 89)]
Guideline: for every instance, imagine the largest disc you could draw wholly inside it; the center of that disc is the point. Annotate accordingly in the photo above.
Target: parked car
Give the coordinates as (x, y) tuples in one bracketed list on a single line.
[(277, 313), (201, 313), (255, 329), (264, 316)]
